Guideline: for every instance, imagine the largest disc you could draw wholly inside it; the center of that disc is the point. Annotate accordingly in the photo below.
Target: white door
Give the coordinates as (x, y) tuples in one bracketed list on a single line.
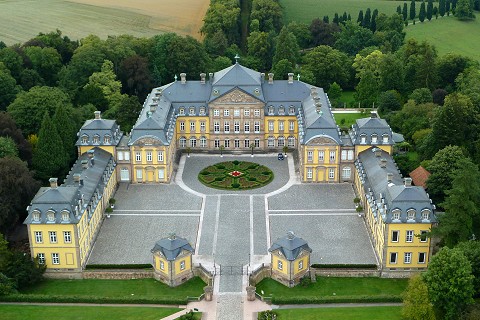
[(124, 176), (161, 174)]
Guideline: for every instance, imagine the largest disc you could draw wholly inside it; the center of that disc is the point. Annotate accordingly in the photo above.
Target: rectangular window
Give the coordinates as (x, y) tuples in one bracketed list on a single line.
[(257, 126), (38, 237), (182, 126), (423, 236), (139, 175), (309, 173), (256, 112), (247, 143), (281, 125), (393, 257), (191, 111), (182, 265), (291, 125), (350, 155), (216, 113), (41, 258), (192, 126), (216, 143), (409, 236), (226, 126), (246, 112), (331, 173), (270, 125), (120, 156), (332, 156), (236, 143), (162, 265), (160, 156), (422, 257), (236, 126), (346, 172), (257, 143), (149, 156), (127, 155), (310, 156), (395, 235), (236, 112), (280, 265), (226, 113), (321, 156), (67, 237), (246, 126), (138, 156), (216, 127), (300, 265), (55, 258), (53, 236), (203, 142), (202, 126), (344, 155), (408, 257), (227, 143)]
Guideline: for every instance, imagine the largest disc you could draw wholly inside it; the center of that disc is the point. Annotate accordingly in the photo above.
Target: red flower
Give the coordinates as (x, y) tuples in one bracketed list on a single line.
[(235, 173)]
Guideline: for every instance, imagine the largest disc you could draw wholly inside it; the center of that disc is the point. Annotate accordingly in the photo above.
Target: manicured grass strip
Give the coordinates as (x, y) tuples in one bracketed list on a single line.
[(331, 289), (113, 291), (349, 118), (360, 313), (21, 312)]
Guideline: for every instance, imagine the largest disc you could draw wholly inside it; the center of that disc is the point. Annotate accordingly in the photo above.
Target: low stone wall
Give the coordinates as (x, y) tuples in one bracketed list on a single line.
[(399, 273), (257, 275), (354, 273), (118, 274), (204, 274), (63, 275)]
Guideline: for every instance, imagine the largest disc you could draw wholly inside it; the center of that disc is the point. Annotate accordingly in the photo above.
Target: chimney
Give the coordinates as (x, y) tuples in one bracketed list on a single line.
[(183, 77), (210, 76), (202, 78), (85, 164), (172, 236), (408, 182), (270, 78), (98, 115), (153, 107), (76, 177), (318, 107), (373, 115), (53, 183), (313, 91), (290, 235), (378, 152), (262, 77), (383, 163), (290, 77), (389, 177)]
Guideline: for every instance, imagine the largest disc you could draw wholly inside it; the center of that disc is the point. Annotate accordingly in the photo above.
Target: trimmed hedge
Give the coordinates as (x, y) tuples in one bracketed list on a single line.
[(90, 299), (253, 175), (344, 266), (336, 299), (119, 266)]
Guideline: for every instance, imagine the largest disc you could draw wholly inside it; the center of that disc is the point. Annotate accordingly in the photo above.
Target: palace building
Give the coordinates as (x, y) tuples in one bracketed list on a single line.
[(236, 110)]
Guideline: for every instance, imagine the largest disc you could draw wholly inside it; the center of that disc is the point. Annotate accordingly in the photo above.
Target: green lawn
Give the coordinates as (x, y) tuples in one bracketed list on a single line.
[(139, 288), (449, 35), (349, 118), (21, 312), (360, 313), (307, 10), (335, 287)]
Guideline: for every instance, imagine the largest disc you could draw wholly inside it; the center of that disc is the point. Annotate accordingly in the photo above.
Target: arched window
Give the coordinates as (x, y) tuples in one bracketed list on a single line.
[(84, 139), (50, 216), (65, 216), (270, 110), (96, 139), (426, 214), (36, 215), (281, 142), (106, 139), (191, 111), (291, 141), (291, 110), (346, 172), (411, 214), (183, 142), (281, 110), (363, 139), (396, 214), (271, 142), (374, 138), (385, 138), (203, 142), (193, 142)]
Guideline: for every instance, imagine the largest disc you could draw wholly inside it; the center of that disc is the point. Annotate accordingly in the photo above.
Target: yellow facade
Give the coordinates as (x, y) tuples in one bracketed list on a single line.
[(161, 264), (321, 163), (385, 147), (407, 246), (280, 126), (201, 128), (84, 148), (300, 264), (277, 261), (186, 261), (150, 163)]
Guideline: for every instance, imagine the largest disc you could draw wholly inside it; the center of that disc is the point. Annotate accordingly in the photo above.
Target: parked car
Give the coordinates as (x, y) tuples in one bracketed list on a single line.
[(281, 156)]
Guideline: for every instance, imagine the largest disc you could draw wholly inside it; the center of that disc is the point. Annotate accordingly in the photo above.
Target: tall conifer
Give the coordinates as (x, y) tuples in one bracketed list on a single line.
[(422, 14), (413, 11)]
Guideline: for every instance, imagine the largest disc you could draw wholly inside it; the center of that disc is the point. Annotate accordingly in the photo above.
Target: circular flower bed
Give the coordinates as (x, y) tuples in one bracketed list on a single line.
[(236, 175)]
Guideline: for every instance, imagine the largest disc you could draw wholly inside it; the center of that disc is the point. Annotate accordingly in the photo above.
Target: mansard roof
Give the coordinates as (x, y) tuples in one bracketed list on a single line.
[(290, 246), (172, 247), (102, 128), (369, 126)]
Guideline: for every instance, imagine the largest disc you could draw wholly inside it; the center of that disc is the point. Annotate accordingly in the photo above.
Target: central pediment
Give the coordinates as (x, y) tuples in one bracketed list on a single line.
[(236, 96)]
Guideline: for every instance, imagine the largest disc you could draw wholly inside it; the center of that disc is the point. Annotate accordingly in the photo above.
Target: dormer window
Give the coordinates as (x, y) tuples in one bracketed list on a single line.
[(281, 110), (181, 111), (96, 139), (426, 215), (291, 110), (77, 211), (202, 111), (257, 91), (411, 214), (396, 214), (65, 216), (106, 139), (191, 111), (374, 138), (50, 216), (270, 110), (363, 139), (36, 216), (84, 139), (385, 138)]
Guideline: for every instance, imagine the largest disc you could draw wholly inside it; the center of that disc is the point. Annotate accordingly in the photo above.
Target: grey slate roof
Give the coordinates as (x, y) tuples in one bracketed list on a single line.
[(290, 246), (396, 194), (171, 247), (100, 127), (67, 196), (369, 126)]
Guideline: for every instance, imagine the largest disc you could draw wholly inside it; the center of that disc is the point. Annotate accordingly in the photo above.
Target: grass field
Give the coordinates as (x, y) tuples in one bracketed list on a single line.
[(449, 35), (307, 10), (361, 313), (148, 288), (350, 118), (20, 20), (336, 287), (21, 312)]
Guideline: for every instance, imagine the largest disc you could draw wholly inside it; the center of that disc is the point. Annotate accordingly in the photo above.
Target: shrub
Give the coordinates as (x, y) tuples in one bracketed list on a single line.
[(236, 162), (218, 179), (7, 285), (220, 166), (305, 281), (252, 179), (236, 185), (267, 315)]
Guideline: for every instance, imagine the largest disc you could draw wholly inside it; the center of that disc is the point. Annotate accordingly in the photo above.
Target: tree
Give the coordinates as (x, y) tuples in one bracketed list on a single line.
[(286, 47), (328, 65), (441, 7), (260, 46), (391, 73), (405, 11), (302, 33), (438, 96), (17, 188), (335, 92), (8, 87), (23, 270), (360, 17), (216, 43), (367, 89), (323, 32), (447, 7), (421, 95), (67, 129), (464, 10), (64, 46), (282, 69), (412, 118), (413, 12), (49, 160), (429, 9), (367, 19), (352, 38), (9, 129), (388, 101), (225, 16), (468, 83), (471, 250), (135, 76), (8, 148), (422, 14), (442, 169), (462, 205), (450, 282), (269, 13), (449, 67), (12, 60), (373, 21), (220, 63), (416, 302), (29, 108), (128, 112), (46, 61)]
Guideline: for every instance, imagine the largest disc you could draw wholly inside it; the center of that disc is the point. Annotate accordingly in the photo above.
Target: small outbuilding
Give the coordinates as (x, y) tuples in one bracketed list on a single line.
[(172, 260), (290, 259)]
